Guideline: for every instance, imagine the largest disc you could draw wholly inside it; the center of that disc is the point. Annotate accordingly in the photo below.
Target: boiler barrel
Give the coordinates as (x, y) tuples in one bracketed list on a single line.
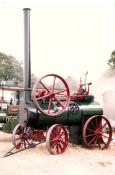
[(91, 109), (67, 118)]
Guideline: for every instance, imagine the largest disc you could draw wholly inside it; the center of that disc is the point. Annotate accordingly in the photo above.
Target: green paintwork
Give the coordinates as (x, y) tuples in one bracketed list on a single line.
[(87, 107)]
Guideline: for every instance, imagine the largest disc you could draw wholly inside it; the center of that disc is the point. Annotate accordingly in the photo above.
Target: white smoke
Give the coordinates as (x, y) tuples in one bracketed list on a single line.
[(104, 92)]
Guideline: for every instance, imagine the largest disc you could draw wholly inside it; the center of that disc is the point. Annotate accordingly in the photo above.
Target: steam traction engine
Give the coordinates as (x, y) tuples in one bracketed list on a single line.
[(54, 113)]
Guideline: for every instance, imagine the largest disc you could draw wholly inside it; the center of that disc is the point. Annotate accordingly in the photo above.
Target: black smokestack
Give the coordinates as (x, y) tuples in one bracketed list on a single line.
[(27, 55)]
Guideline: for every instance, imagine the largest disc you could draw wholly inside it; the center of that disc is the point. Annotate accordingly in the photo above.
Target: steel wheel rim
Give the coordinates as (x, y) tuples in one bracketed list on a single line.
[(57, 139), (96, 136), (51, 95), (21, 137)]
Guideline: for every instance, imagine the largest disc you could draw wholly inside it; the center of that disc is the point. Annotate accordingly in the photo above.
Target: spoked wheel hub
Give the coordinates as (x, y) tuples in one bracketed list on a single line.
[(98, 132)]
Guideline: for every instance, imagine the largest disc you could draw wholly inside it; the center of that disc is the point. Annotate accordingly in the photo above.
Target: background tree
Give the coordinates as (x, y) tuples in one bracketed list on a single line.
[(111, 61), (10, 69)]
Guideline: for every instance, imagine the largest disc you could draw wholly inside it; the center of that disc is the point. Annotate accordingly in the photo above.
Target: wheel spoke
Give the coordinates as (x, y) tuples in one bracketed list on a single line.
[(43, 97), (99, 144), (62, 134), (108, 130), (92, 140), (96, 123), (53, 134), (90, 129), (24, 143), (100, 124), (105, 136), (52, 140), (92, 124), (61, 148), (90, 135), (58, 101), (45, 87), (53, 84), (95, 142), (53, 143), (57, 149), (61, 91), (49, 105), (59, 129), (104, 125), (26, 140), (25, 130)]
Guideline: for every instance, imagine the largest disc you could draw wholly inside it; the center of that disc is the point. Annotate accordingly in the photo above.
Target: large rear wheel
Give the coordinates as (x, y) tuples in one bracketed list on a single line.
[(97, 132)]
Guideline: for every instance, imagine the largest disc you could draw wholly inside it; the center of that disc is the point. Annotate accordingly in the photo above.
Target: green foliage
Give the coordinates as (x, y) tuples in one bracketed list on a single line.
[(10, 68), (111, 61)]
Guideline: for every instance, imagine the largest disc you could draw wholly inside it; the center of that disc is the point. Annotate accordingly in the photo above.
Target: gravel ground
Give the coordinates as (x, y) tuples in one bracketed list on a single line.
[(38, 161)]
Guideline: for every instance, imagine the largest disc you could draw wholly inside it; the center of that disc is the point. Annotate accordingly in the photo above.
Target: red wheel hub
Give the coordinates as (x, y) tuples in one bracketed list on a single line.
[(98, 132)]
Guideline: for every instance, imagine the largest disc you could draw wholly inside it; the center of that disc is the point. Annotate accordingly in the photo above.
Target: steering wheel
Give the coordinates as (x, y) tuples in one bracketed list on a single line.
[(51, 94)]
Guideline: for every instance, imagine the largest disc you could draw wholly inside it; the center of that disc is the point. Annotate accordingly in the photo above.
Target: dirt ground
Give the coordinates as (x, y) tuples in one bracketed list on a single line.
[(76, 160)]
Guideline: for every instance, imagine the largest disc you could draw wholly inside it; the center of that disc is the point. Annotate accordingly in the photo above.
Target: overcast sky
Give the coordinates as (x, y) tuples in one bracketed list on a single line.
[(68, 37)]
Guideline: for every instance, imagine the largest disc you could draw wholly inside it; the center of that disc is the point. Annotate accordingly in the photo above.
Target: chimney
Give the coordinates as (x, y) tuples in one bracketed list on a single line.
[(27, 56), (27, 68)]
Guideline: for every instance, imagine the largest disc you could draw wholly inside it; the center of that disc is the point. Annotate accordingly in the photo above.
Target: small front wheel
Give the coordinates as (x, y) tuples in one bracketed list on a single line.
[(21, 137), (57, 139)]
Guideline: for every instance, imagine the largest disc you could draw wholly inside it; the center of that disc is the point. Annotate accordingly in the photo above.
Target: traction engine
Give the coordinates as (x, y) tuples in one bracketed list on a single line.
[(58, 118)]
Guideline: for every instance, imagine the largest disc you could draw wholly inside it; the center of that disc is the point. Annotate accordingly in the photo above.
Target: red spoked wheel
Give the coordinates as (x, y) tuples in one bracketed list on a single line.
[(21, 137), (57, 139), (54, 96), (97, 132)]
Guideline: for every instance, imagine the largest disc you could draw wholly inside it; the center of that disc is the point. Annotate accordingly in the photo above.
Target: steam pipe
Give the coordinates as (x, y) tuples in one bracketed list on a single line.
[(27, 56)]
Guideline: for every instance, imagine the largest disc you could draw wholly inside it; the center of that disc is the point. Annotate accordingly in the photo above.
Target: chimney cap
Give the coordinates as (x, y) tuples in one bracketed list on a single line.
[(26, 9)]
